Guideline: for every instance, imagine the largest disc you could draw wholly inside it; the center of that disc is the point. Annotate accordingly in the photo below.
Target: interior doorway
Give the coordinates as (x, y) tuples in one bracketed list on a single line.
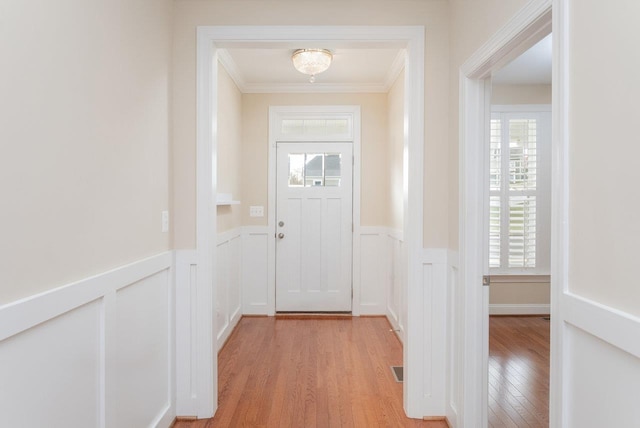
[(521, 33), (210, 42), (518, 239)]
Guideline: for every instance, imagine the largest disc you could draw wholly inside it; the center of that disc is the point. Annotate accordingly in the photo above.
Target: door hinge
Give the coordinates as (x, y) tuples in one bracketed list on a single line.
[(486, 280)]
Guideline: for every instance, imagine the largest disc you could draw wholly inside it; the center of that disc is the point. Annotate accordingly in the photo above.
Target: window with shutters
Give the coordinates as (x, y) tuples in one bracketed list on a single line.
[(519, 178)]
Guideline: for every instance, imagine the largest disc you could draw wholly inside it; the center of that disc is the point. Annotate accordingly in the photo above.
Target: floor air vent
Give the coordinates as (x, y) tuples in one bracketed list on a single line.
[(398, 373)]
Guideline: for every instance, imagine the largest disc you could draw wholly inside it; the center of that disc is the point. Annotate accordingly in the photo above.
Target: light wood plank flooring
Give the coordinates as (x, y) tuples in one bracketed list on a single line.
[(518, 372), (310, 373)]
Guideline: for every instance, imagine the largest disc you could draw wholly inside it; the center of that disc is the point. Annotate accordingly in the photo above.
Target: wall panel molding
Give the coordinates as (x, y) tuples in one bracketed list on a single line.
[(77, 335), (617, 328), (229, 283), (186, 265), (257, 288), (435, 284)]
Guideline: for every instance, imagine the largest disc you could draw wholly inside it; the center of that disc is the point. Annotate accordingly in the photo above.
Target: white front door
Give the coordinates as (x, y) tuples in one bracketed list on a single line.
[(313, 227)]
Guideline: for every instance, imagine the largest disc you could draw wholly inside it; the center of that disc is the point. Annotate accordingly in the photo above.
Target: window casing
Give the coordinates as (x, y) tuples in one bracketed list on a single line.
[(519, 191)]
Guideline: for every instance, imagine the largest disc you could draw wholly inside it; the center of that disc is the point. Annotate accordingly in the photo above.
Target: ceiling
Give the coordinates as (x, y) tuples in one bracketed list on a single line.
[(531, 68), (267, 67)]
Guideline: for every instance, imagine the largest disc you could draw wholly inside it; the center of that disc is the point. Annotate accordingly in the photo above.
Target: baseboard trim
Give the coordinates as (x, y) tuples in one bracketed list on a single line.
[(519, 309)]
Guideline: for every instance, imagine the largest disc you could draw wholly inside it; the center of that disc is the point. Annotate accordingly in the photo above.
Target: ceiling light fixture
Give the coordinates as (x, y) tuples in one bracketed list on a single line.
[(311, 61)]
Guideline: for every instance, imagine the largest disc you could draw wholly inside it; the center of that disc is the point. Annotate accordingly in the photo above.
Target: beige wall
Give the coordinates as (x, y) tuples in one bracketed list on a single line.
[(604, 200), (395, 106), (520, 293), (520, 94), (84, 131), (230, 153), (523, 293), (432, 14), (374, 162), (472, 23)]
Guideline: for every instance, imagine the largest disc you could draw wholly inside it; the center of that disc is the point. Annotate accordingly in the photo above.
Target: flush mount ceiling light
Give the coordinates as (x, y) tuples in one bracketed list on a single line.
[(311, 61)]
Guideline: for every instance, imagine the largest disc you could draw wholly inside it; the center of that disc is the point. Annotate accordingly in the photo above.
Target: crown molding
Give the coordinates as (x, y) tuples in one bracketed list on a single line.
[(394, 71), (299, 88), (232, 68)]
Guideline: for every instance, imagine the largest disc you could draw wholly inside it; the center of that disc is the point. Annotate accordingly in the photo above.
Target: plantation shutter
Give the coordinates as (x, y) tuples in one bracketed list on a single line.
[(514, 191)]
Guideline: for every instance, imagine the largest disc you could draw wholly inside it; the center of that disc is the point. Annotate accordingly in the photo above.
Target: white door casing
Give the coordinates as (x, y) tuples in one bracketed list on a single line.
[(313, 230)]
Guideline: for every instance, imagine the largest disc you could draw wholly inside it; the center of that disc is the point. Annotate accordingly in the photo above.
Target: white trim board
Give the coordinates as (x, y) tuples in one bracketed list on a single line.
[(212, 38), (519, 309)]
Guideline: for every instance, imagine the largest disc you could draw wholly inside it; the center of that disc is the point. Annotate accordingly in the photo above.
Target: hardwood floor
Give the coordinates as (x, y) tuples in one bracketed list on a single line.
[(518, 372), (310, 373)]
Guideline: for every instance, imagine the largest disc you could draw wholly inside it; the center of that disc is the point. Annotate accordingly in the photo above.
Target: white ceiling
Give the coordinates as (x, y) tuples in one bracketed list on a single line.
[(531, 68), (267, 67)]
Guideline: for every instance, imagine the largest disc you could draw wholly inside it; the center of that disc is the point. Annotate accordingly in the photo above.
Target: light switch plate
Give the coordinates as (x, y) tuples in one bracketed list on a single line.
[(256, 211), (165, 221)]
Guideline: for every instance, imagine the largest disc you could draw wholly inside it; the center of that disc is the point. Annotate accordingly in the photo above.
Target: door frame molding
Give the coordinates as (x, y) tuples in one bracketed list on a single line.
[(531, 24), (276, 114), (209, 40)]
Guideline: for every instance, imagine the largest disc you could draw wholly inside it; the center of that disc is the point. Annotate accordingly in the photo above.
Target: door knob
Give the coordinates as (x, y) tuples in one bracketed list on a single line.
[(280, 235)]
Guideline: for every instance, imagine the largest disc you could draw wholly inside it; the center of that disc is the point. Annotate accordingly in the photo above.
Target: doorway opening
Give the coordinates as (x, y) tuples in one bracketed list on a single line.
[(522, 32), (210, 42), (518, 238)]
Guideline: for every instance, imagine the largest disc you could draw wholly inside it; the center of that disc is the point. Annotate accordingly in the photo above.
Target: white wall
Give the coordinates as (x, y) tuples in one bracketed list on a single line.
[(520, 94), (98, 352)]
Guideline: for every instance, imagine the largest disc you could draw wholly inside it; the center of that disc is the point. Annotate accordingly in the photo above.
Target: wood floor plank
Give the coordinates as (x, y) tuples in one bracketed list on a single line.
[(519, 372), (296, 372)]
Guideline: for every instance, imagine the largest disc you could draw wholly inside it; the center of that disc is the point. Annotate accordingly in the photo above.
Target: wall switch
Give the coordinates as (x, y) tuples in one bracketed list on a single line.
[(165, 221), (256, 211)]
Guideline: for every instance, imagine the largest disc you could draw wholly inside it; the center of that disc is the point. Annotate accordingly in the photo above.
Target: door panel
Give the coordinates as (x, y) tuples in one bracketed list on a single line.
[(313, 227)]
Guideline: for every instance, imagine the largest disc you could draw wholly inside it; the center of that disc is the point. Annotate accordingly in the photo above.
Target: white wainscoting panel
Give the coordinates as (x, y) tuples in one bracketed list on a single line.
[(455, 335), (255, 270), (38, 363), (601, 352), (374, 271), (434, 282), (186, 274), (141, 368), (97, 352), (395, 281), (228, 285), (228, 311)]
